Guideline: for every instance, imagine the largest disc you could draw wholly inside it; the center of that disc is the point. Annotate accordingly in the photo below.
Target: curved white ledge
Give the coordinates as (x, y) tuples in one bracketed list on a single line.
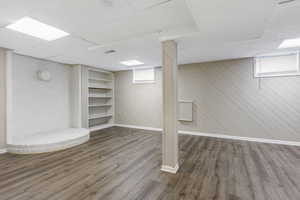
[(49, 141)]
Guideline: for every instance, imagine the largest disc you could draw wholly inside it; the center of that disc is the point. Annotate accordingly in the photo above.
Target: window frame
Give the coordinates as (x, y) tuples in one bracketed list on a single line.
[(143, 81), (276, 74)]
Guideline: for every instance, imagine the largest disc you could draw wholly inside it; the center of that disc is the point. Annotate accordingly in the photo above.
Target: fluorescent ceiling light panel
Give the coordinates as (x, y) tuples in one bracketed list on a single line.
[(290, 43), (37, 29), (132, 63)]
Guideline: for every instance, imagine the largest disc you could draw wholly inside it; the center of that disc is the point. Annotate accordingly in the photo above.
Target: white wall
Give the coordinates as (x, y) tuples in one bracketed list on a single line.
[(39, 106), (227, 100), (138, 104)]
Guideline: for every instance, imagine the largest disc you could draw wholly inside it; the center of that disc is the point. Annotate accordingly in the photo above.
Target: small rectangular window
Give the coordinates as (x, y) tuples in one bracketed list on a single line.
[(277, 65), (145, 75)]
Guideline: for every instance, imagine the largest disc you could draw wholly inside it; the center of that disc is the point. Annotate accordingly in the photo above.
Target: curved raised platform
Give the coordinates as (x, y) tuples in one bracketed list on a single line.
[(49, 141)]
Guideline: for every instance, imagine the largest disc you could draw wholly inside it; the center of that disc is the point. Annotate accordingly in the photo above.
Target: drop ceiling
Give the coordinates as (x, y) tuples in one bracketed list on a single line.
[(204, 30)]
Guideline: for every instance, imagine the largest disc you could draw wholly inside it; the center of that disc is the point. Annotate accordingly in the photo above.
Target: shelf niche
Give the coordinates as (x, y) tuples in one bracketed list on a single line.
[(98, 97)]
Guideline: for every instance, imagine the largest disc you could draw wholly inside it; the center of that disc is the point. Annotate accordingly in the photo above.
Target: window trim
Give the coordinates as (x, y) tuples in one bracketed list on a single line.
[(143, 81), (276, 74)]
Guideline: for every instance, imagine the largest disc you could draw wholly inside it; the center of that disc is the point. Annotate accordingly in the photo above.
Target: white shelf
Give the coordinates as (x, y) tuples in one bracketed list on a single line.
[(98, 86), (100, 79), (99, 96), (100, 71), (185, 120), (100, 105), (98, 116), (185, 101)]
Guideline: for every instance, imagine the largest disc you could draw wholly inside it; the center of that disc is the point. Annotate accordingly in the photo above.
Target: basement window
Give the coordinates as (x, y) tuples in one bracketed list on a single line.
[(145, 75), (286, 64)]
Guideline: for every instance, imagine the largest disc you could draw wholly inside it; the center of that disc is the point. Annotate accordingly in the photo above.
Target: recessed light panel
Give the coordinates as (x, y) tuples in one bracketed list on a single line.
[(290, 43), (37, 29), (132, 63)]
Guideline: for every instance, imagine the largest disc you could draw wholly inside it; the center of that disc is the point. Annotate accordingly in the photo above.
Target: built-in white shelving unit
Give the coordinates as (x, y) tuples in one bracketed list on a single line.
[(99, 98)]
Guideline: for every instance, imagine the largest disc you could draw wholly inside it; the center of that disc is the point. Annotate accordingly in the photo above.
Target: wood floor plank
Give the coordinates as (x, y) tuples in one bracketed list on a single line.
[(124, 164)]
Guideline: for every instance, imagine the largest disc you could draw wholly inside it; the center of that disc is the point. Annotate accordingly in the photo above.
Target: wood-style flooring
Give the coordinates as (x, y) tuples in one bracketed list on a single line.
[(124, 164)]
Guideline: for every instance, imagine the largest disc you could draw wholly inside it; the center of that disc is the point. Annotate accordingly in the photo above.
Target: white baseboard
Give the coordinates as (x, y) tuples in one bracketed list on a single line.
[(249, 139), (222, 136), (2, 151), (98, 128), (139, 127), (169, 169)]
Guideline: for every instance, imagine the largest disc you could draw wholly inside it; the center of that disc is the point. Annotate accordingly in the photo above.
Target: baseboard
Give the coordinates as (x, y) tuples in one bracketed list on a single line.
[(221, 136), (98, 128), (249, 139), (169, 169), (139, 127), (2, 151)]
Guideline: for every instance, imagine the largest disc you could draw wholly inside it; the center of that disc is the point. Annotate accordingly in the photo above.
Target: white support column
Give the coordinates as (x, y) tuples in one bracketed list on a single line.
[(170, 133), (76, 103), (4, 93)]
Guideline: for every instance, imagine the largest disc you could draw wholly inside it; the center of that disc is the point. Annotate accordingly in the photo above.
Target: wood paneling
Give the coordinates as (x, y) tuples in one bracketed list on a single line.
[(227, 99), (120, 163)]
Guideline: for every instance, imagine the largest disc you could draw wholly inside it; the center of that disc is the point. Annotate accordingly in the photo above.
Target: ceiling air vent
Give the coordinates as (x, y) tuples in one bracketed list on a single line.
[(110, 51)]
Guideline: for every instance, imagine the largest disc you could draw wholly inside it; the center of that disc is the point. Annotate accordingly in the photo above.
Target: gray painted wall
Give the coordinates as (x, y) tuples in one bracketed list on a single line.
[(2, 98), (138, 104), (228, 100)]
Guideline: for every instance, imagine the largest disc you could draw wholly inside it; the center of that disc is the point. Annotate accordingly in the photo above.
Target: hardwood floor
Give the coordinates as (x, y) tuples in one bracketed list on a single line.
[(121, 163)]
